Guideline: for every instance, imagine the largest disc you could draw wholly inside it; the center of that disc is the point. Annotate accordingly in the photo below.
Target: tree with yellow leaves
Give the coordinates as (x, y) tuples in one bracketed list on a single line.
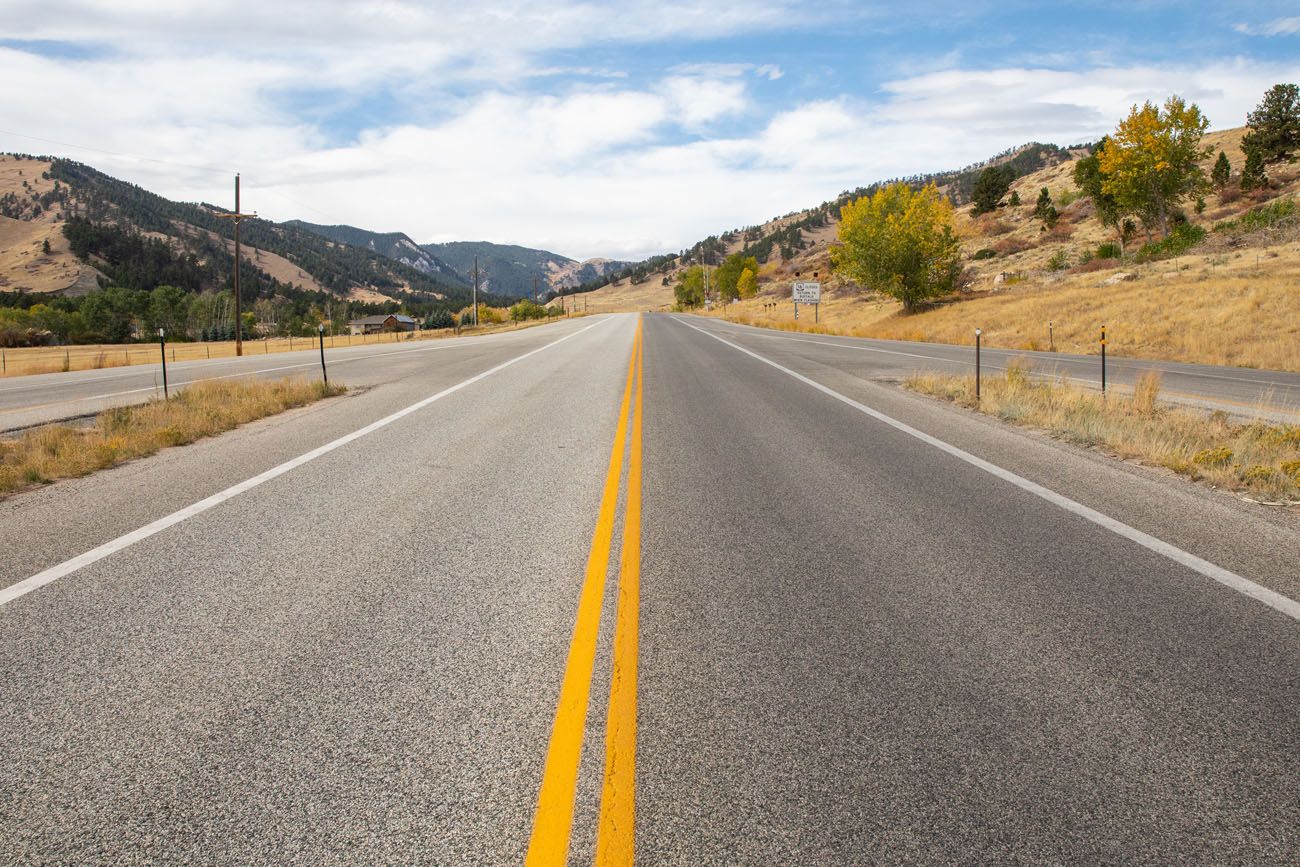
[(1152, 162), (899, 241), (747, 285)]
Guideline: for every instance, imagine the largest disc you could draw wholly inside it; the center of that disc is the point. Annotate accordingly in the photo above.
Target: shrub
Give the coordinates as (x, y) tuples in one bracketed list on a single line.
[(1109, 250), (1093, 265), (1216, 457), (1011, 246), (986, 253), (991, 225), (1061, 231), (1059, 262), (440, 318), (1263, 217), (1184, 237)]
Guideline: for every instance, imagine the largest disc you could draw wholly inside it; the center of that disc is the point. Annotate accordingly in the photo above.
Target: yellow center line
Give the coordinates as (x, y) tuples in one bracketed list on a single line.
[(617, 834), (553, 821)]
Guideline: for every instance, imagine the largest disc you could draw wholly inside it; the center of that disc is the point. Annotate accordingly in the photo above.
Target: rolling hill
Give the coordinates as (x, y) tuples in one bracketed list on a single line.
[(392, 245), (1228, 298), (510, 270), (123, 231)]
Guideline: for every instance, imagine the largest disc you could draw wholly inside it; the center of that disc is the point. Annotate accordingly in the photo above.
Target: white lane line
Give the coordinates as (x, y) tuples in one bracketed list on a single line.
[(179, 384), (186, 366), (1061, 367), (1127, 364), (54, 573), (1271, 598)]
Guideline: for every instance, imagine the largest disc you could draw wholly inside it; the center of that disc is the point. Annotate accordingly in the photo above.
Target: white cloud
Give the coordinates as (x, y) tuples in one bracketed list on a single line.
[(699, 101), (518, 149), (1277, 27)]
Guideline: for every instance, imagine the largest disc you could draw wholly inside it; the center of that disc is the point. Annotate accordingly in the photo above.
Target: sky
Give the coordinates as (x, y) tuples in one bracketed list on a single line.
[(618, 130)]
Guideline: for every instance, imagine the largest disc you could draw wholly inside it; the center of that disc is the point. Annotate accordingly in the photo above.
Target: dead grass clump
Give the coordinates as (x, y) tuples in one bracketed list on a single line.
[(1011, 246), (52, 452), (989, 225), (1095, 265), (1259, 459), (1062, 231), (1146, 391)]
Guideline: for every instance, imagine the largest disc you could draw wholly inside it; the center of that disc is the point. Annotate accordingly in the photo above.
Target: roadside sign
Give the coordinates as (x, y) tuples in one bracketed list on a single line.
[(806, 292)]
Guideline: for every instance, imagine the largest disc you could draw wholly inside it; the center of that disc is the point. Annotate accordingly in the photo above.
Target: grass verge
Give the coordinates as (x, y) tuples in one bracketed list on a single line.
[(1257, 459), (57, 451)]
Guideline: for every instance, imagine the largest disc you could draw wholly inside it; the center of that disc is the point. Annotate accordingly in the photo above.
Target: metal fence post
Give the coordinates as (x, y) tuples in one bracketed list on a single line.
[(162, 348), (320, 329), (1103, 360)]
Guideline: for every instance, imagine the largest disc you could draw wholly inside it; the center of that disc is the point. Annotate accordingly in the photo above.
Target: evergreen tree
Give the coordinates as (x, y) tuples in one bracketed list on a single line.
[(1274, 124), (1045, 210), (991, 185), (1252, 174), (1221, 174)]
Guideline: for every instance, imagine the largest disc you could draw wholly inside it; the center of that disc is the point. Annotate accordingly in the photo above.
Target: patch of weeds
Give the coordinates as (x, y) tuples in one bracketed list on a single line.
[(1184, 237), (1215, 457)]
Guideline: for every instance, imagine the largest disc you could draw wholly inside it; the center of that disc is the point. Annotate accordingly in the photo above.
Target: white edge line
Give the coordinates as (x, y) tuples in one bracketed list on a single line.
[(1118, 362), (1271, 598), (54, 573), (182, 383)]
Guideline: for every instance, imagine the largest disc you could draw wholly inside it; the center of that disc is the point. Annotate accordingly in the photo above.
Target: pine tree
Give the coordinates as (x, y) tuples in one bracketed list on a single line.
[(1045, 210), (1221, 174), (991, 185), (1275, 124), (1252, 174)]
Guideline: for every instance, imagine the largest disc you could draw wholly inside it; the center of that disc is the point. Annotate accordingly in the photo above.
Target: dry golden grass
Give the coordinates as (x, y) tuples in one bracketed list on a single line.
[(1258, 459), (52, 452), (55, 359), (1235, 308), (623, 297)]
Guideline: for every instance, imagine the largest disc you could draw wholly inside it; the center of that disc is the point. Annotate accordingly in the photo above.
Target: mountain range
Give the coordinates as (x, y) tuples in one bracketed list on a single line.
[(503, 269)]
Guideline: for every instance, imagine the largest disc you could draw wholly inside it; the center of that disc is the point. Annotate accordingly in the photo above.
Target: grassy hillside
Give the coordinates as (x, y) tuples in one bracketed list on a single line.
[(39, 197), (1231, 299)]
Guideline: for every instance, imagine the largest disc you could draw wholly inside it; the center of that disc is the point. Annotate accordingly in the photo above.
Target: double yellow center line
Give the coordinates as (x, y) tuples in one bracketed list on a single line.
[(553, 821)]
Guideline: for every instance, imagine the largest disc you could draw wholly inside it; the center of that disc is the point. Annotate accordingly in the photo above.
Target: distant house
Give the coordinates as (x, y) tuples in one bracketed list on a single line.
[(374, 324)]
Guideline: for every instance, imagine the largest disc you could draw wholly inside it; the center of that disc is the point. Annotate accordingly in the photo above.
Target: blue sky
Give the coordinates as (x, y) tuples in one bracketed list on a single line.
[(595, 129)]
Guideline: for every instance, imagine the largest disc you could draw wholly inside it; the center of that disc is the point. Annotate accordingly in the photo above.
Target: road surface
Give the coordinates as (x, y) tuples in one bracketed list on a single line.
[(526, 599), (1241, 392)]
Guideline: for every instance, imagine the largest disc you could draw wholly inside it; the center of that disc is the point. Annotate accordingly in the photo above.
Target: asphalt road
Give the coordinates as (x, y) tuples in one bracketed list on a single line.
[(513, 593), (31, 400), (1242, 392)]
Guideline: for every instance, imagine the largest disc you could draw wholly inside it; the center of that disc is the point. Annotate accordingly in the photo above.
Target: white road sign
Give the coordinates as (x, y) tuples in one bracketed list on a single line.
[(806, 293)]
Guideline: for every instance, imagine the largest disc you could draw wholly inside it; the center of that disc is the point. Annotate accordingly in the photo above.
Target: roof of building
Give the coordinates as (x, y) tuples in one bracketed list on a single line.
[(380, 320)]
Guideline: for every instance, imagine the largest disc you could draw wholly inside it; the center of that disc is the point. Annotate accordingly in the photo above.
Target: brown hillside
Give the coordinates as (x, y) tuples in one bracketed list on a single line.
[(1231, 300), (24, 266)]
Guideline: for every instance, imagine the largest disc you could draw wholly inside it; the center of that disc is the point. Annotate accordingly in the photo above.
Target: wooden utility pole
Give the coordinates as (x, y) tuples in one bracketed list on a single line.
[(237, 216), (476, 291)]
